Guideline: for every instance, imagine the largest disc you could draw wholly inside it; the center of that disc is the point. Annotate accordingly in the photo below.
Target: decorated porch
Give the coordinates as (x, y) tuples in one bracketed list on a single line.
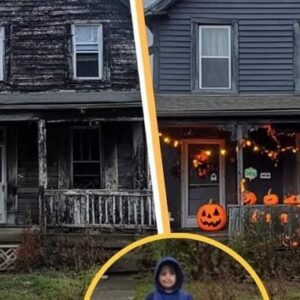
[(227, 160)]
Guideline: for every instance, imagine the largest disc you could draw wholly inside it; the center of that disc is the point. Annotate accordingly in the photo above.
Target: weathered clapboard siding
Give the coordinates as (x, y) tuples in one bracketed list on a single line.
[(265, 43), (38, 45)]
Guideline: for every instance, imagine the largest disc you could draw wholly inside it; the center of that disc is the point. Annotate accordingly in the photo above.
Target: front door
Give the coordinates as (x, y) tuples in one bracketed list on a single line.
[(2, 177), (203, 176)]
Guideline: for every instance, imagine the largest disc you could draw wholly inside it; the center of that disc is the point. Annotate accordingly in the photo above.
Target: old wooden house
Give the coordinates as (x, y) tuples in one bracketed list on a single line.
[(227, 84), (72, 144)]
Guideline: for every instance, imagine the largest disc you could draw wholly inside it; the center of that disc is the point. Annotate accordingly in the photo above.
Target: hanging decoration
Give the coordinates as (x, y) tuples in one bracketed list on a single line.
[(271, 153), (201, 163)]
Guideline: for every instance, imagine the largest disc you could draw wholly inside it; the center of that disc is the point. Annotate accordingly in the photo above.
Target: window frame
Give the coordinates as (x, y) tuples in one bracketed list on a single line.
[(229, 56), (195, 55), (100, 51), (2, 52)]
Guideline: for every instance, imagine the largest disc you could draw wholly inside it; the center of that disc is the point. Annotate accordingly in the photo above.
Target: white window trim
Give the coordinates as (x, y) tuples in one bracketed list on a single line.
[(100, 52), (228, 27), (2, 52)]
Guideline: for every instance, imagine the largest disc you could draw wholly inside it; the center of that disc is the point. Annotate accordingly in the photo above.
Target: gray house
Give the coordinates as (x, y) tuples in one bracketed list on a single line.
[(72, 144), (228, 99)]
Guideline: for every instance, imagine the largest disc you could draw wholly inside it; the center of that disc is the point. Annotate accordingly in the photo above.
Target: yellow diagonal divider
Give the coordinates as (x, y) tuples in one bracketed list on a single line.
[(190, 236), (150, 118)]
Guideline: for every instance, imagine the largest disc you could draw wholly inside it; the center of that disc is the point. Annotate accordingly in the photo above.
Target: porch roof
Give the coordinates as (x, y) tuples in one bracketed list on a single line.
[(56, 100), (185, 105)]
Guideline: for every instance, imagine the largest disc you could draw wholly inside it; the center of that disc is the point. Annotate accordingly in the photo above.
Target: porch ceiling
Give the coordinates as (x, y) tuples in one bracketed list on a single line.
[(104, 99), (170, 105)]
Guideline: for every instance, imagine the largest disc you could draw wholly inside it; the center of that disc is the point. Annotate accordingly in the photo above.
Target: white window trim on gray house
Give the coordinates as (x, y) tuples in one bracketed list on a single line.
[(215, 54), (2, 52), (88, 47)]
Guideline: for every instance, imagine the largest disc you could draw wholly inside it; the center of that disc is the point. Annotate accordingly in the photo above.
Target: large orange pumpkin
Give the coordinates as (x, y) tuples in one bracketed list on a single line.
[(290, 199), (211, 217), (249, 198), (270, 199)]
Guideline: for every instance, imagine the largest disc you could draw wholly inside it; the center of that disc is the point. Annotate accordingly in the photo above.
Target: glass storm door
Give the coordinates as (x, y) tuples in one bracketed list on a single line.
[(203, 177)]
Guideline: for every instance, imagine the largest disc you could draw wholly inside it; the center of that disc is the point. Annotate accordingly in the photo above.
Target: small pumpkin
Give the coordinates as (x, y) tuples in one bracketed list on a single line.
[(270, 199), (249, 198), (297, 202), (284, 218), (290, 199), (211, 217)]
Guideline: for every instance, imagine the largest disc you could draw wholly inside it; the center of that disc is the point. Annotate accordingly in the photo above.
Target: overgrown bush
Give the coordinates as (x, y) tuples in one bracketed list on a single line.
[(61, 251), (199, 261), (261, 250)]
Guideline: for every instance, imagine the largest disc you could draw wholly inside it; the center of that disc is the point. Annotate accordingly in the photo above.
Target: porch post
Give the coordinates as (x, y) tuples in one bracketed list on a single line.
[(138, 156), (42, 156), (239, 160)]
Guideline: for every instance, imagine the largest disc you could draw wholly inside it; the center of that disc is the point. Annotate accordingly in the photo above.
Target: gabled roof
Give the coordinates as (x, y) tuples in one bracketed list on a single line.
[(159, 7)]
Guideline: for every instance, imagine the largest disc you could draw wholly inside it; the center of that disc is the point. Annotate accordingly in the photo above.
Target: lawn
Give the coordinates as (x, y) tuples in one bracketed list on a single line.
[(45, 285)]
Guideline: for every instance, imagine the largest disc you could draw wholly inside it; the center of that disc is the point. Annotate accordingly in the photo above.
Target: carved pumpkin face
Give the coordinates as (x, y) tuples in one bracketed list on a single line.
[(284, 218), (249, 198), (291, 200), (270, 199), (211, 217)]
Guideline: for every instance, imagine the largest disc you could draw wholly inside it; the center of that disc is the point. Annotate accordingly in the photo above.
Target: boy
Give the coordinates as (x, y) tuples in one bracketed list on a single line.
[(168, 279)]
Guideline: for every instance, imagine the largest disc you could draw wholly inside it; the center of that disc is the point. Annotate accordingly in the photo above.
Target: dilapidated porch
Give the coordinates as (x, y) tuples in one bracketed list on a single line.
[(79, 171)]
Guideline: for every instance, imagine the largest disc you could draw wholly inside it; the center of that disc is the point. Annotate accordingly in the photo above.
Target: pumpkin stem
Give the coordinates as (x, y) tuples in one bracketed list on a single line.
[(210, 201), (269, 191)]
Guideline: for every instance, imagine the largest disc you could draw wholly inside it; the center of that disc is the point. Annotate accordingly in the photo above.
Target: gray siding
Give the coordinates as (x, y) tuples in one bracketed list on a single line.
[(265, 43)]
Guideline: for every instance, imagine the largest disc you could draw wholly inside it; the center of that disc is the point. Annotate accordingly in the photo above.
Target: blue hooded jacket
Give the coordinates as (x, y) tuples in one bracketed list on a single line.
[(176, 294)]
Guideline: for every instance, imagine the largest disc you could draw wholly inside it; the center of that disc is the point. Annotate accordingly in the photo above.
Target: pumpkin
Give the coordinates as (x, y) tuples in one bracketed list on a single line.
[(249, 198), (284, 218), (270, 199), (297, 202), (268, 217), (211, 217), (291, 200)]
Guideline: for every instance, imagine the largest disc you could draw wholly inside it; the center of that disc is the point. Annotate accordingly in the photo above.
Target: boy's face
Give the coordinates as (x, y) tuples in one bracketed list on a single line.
[(167, 277)]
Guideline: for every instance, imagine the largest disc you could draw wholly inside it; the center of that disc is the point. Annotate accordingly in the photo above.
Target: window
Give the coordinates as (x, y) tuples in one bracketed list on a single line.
[(86, 158), (214, 57), (1, 52), (88, 45)]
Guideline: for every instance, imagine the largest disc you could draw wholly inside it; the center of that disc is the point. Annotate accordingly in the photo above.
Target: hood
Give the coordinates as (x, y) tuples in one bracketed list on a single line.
[(168, 260)]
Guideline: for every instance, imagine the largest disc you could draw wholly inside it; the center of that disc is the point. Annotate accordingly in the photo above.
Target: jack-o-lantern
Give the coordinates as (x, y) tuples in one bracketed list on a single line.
[(249, 198), (268, 218), (290, 199), (284, 218), (211, 217), (270, 199)]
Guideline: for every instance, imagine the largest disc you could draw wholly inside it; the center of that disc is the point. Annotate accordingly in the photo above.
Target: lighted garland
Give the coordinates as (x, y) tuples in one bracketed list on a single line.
[(272, 154)]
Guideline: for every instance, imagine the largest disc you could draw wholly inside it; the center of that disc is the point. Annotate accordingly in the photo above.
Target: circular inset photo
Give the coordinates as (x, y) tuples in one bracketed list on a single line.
[(176, 267)]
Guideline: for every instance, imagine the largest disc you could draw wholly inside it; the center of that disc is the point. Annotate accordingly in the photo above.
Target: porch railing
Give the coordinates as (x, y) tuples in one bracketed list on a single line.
[(100, 208), (281, 222)]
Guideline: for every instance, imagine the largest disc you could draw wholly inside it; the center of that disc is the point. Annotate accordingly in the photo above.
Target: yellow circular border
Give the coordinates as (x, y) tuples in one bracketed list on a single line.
[(190, 236)]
